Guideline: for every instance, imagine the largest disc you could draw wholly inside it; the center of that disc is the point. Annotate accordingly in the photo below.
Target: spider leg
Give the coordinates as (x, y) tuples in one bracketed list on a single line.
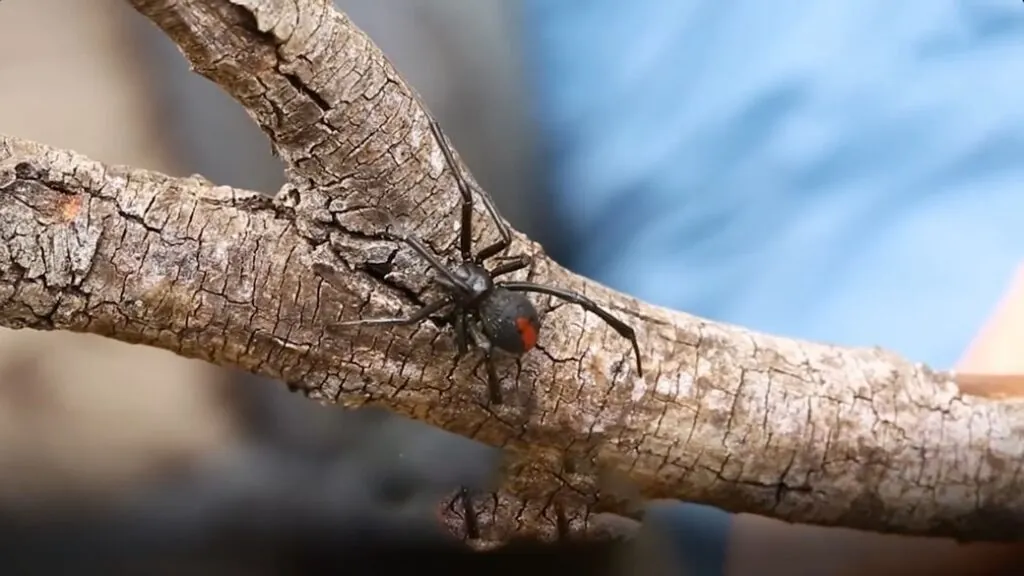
[(506, 236), (331, 275), (416, 317), (493, 384), (435, 262), (466, 232), (460, 336), (624, 330), (515, 263), (458, 318)]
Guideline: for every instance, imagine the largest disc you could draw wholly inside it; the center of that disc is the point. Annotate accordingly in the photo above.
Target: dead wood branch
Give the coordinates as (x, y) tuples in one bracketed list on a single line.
[(747, 422)]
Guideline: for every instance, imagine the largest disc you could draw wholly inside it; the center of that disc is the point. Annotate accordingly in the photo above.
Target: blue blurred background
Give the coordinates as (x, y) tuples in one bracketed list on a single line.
[(839, 171), (842, 171)]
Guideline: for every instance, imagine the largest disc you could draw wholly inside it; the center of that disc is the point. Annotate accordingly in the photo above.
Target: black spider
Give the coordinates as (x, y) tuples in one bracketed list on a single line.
[(508, 320)]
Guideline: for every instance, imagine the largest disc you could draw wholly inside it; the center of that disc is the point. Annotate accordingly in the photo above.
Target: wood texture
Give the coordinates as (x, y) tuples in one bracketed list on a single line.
[(748, 422)]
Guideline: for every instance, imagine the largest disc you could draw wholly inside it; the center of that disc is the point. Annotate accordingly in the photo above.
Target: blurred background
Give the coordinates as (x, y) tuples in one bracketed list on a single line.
[(103, 435)]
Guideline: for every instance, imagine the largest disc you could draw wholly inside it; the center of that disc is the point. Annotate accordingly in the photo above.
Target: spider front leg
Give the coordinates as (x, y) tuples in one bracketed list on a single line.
[(417, 317), (466, 232), (513, 264), (330, 275), (624, 330)]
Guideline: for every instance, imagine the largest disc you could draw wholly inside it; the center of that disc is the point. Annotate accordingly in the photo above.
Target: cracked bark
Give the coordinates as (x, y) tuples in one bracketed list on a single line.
[(747, 422)]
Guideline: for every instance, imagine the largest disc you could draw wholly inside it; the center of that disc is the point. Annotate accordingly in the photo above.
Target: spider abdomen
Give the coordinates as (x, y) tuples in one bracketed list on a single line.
[(509, 321)]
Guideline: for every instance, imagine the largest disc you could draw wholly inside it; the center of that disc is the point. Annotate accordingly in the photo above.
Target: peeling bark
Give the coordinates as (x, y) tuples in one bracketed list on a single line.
[(747, 422)]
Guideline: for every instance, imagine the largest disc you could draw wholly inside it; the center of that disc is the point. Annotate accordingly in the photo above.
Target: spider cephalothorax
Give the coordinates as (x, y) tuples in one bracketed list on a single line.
[(496, 315)]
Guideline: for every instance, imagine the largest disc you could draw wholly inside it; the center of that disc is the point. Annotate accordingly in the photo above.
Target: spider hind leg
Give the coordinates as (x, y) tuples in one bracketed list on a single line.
[(623, 329)]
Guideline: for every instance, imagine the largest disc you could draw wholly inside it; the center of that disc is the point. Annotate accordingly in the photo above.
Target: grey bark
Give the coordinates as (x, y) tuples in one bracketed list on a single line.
[(747, 422)]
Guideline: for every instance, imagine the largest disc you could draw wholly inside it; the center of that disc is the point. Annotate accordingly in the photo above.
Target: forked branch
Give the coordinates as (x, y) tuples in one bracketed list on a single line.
[(747, 422)]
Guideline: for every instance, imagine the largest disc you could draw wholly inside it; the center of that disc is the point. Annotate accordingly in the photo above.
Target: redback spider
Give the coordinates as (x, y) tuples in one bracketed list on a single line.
[(497, 315)]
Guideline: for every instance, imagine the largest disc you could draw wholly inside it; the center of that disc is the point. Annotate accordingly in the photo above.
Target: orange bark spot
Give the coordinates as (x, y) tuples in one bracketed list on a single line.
[(70, 209)]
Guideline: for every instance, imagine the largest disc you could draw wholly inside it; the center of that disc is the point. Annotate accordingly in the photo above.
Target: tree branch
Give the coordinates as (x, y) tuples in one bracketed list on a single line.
[(747, 422)]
